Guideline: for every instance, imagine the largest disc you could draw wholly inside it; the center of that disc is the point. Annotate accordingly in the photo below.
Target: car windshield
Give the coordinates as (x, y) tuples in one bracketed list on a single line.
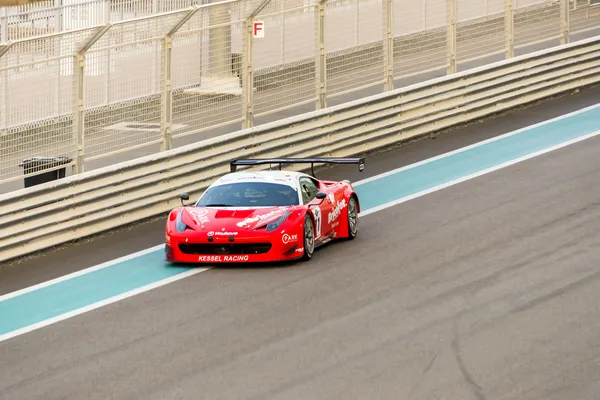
[(249, 194)]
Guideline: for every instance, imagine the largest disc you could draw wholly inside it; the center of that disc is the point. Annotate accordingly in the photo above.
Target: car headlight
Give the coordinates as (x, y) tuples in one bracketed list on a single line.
[(271, 226), (179, 224)]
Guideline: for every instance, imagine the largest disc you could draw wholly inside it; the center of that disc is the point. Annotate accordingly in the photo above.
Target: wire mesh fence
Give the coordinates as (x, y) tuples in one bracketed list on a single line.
[(420, 36), (96, 92), (55, 16)]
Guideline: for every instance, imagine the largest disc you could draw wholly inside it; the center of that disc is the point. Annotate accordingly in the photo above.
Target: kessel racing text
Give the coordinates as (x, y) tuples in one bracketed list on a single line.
[(223, 258)]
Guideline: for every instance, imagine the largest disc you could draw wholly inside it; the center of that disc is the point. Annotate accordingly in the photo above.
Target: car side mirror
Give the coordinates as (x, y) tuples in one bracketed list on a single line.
[(320, 196), (184, 197)]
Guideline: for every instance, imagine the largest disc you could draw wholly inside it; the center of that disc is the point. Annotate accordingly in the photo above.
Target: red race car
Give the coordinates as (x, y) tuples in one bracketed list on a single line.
[(263, 216)]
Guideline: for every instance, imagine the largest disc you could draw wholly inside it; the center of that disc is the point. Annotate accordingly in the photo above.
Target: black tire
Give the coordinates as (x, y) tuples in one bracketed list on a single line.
[(352, 216), (308, 238)]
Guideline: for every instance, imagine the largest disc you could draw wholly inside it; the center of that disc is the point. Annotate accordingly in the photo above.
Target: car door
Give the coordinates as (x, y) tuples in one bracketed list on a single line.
[(336, 207), (309, 188)]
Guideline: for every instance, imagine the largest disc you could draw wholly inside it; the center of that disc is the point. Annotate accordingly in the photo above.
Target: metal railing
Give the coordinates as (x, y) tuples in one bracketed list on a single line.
[(54, 16), (104, 92), (72, 208)]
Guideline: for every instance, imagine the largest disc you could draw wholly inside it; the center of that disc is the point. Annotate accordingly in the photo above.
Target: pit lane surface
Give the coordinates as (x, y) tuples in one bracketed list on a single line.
[(477, 291)]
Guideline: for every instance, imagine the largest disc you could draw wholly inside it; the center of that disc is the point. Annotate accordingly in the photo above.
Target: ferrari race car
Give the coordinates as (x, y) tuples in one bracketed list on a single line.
[(263, 216)]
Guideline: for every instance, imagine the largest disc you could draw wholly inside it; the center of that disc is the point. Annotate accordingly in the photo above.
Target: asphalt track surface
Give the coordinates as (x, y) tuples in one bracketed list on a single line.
[(484, 290)]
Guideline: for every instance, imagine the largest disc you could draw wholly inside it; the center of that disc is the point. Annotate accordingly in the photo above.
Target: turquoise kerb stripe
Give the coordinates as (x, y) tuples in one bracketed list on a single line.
[(45, 303), (51, 301), (414, 180)]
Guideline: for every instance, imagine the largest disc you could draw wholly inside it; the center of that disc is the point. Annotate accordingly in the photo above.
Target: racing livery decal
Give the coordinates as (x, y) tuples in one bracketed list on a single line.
[(335, 213), (317, 212), (198, 215), (286, 238), (223, 258), (272, 215)]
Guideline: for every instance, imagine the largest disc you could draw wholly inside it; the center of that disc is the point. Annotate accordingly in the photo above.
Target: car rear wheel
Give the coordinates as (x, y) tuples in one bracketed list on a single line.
[(309, 238), (352, 218)]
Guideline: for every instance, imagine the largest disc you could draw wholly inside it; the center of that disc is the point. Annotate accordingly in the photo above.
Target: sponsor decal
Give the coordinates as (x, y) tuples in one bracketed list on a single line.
[(331, 197), (300, 250), (317, 213), (271, 215), (223, 258), (212, 233), (198, 215), (286, 238), (333, 215)]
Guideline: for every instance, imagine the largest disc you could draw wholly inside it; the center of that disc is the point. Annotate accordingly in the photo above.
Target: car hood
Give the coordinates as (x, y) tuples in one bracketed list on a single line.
[(229, 219)]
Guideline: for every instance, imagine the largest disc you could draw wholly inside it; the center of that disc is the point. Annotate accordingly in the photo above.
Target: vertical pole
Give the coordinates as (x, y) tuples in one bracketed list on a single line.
[(58, 16), (451, 39), (247, 77), (424, 15), (388, 43), (564, 17), (357, 23), (509, 21), (282, 11), (107, 66), (4, 24), (220, 41), (58, 27), (3, 96), (78, 110), (321, 61), (107, 9), (166, 116)]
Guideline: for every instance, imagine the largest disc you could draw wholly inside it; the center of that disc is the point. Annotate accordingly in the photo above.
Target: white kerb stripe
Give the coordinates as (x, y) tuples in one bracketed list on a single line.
[(81, 272), (473, 146), (99, 304), (477, 174)]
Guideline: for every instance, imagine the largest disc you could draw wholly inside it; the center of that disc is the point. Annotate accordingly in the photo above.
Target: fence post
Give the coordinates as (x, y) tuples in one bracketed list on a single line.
[(509, 21), (3, 24), (321, 59), (248, 76), (451, 36), (78, 110), (166, 119), (166, 114), (79, 97), (564, 17), (388, 44), (3, 90)]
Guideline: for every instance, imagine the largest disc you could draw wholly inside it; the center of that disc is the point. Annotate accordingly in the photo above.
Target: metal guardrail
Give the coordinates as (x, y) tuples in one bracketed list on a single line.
[(64, 210)]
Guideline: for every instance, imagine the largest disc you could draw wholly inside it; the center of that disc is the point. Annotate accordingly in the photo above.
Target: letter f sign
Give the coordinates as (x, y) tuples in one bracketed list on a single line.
[(258, 29)]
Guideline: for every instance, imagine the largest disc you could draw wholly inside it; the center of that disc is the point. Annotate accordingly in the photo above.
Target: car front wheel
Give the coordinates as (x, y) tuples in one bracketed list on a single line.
[(352, 218), (309, 238)]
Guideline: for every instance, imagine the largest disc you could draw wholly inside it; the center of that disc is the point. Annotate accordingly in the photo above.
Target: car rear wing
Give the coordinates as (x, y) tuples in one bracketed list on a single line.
[(312, 161)]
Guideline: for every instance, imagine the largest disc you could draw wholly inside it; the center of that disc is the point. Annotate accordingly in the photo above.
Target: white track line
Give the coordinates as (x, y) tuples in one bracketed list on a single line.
[(192, 272), (79, 273), (473, 146), (477, 174), (99, 304)]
